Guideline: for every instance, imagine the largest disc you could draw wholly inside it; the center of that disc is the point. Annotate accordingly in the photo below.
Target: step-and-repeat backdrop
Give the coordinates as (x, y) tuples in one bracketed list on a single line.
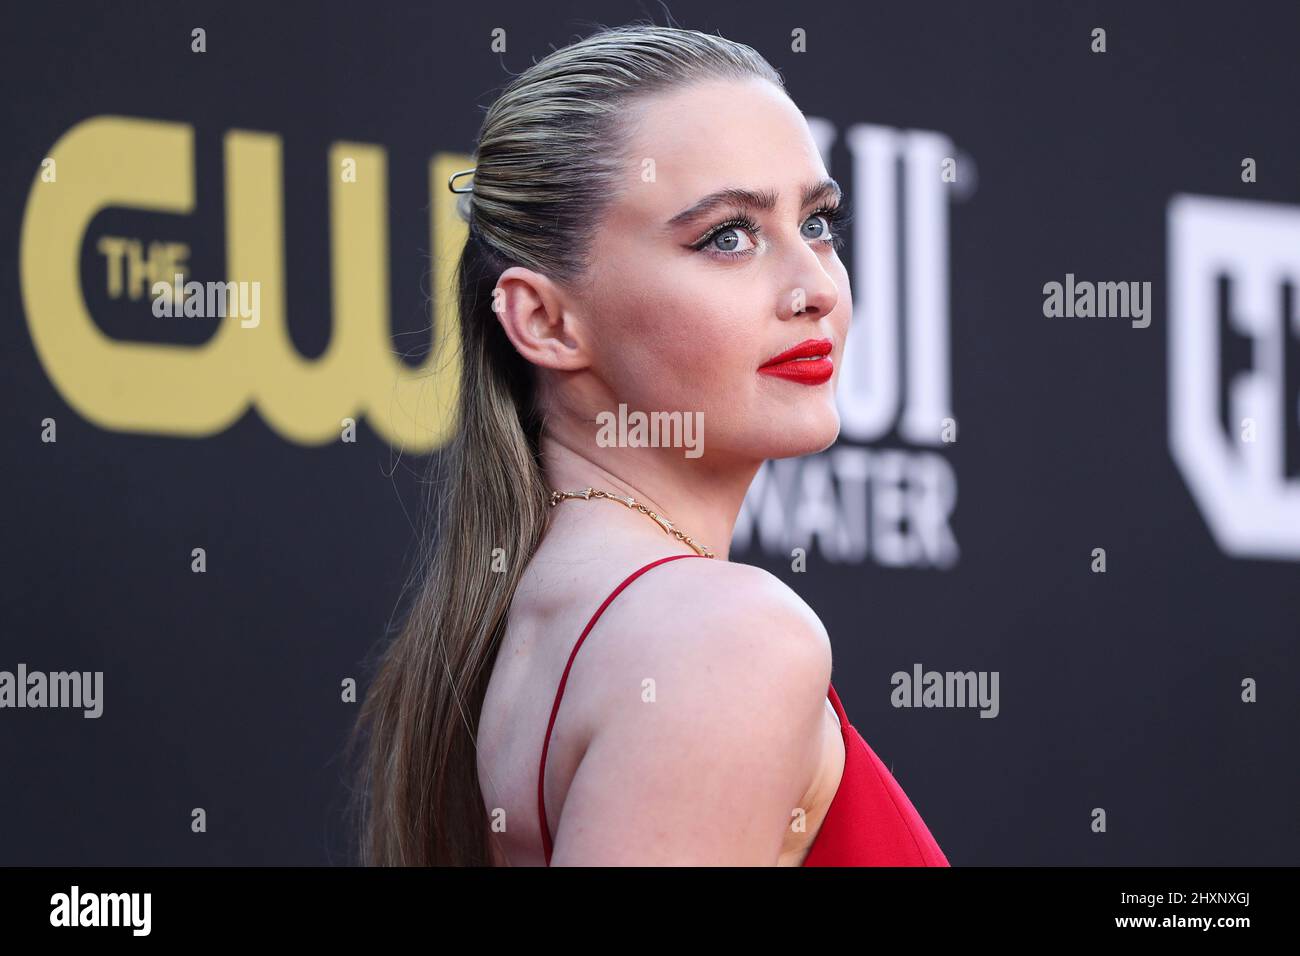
[(1057, 546)]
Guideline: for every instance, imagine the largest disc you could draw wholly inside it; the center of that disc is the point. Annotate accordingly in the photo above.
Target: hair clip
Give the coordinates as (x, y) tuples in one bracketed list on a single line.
[(451, 183)]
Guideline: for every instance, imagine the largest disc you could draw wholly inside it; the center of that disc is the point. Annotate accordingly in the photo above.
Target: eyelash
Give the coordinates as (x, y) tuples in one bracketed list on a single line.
[(836, 215)]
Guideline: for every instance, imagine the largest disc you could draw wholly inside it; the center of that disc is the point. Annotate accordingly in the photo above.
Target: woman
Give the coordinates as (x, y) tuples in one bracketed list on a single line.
[(608, 271)]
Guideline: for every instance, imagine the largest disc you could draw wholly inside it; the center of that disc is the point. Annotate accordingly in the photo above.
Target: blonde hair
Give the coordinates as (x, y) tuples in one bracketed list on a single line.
[(549, 160)]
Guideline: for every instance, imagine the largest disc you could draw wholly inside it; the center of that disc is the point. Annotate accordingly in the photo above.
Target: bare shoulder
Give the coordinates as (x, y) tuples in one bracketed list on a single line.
[(715, 677), (731, 590), (749, 616)]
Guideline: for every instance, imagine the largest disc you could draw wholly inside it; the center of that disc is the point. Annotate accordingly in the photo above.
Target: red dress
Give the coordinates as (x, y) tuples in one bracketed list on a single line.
[(870, 822)]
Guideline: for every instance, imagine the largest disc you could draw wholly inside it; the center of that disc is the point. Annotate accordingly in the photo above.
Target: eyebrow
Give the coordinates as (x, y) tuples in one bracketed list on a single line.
[(759, 199)]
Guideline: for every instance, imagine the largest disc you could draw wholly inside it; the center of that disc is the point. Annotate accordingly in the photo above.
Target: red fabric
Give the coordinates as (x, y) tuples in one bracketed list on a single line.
[(870, 821)]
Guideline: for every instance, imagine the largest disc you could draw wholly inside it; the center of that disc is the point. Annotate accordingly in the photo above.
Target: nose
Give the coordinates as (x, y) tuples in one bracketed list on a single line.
[(813, 293)]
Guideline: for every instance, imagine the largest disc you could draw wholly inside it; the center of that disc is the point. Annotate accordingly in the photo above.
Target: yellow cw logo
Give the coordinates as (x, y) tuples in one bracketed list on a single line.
[(118, 161)]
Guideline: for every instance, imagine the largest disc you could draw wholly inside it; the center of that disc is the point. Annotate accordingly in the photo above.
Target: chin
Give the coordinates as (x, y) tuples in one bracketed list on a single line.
[(790, 436)]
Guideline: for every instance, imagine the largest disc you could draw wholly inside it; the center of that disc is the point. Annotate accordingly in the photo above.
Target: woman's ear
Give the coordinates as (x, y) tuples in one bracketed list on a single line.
[(539, 320)]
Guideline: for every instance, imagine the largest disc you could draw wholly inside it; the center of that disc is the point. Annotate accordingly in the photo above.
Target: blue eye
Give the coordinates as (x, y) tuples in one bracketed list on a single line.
[(722, 231), (834, 217)]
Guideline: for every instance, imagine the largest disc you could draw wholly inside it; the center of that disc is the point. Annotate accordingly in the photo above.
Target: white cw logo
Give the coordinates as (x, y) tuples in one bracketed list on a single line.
[(1234, 266), (873, 380), (850, 502)]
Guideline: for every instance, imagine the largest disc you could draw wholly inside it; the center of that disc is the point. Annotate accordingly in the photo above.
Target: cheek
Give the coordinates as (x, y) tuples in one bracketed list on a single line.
[(844, 307), (681, 347)]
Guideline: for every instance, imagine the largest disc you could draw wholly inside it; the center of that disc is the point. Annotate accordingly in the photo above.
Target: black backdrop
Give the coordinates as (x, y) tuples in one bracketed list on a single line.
[(1119, 690)]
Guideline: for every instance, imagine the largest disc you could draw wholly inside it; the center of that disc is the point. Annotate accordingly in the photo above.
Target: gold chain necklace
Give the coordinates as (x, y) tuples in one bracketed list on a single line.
[(588, 493)]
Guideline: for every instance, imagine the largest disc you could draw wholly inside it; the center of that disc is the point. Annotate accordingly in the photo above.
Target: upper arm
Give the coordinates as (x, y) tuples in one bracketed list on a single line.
[(708, 769)]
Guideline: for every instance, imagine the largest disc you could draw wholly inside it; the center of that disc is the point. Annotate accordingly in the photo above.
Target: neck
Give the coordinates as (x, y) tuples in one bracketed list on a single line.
[(701, 500)]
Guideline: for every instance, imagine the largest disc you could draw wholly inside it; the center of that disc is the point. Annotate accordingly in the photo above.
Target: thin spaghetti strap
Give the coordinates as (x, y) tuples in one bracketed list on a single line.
[(555, 709)]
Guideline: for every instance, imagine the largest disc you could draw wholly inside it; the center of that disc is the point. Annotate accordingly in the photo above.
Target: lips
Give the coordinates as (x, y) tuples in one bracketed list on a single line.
[(809, 363)]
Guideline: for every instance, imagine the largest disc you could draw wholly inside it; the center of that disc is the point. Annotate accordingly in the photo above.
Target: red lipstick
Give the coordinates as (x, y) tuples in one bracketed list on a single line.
[(809, 363)]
